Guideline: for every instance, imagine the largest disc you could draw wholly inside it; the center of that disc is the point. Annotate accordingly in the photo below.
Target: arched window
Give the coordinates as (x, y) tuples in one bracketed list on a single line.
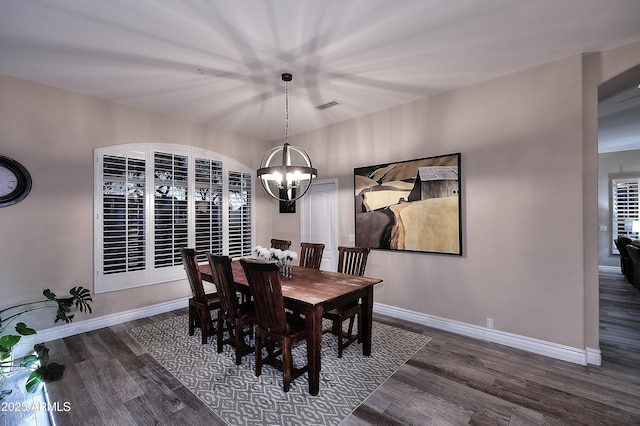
[(150, 200)]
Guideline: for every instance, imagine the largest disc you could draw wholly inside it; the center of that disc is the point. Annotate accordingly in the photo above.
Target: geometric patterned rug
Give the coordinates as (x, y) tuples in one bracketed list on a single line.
[(240, 398)]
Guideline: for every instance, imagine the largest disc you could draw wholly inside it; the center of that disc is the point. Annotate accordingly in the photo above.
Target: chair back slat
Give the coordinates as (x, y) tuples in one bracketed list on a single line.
[(311, 255), (352, 260), (264, 284), (226, 285), (193, 274), (280, 244)]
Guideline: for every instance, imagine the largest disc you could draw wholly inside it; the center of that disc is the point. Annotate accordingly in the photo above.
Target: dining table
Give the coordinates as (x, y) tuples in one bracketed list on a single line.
[(311, 292)]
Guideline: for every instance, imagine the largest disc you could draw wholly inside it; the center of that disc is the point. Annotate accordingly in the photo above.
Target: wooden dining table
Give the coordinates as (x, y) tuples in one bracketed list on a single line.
[(311, 292)]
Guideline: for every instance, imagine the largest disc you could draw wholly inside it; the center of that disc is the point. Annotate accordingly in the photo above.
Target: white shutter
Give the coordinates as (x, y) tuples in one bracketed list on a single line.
[(171, 184), (624, 208), (123, 214), (151, 200), (240, 213), (208, 207)]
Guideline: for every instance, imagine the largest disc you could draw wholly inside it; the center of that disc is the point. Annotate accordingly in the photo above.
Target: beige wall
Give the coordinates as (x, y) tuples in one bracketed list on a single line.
[(529, 182), (521, 155), (529, 170), (47, 239)]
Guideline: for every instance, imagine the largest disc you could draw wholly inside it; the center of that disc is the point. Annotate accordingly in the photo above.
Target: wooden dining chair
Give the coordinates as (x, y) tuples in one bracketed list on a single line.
[(311, 255), (353, 261), (275, 326), (200, 304), (280, 244), (236, 315)]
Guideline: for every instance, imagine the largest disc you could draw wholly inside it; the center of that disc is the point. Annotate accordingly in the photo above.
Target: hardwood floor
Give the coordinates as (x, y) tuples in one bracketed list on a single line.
[(453, 380)]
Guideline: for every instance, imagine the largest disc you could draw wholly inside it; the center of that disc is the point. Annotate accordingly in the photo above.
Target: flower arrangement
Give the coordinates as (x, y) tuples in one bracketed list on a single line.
[(283, 257)]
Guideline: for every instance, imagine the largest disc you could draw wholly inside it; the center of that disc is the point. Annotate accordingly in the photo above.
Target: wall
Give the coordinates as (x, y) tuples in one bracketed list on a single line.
[(530, 176), (611, 163), (529, 167), (522, 200), (46, 239)]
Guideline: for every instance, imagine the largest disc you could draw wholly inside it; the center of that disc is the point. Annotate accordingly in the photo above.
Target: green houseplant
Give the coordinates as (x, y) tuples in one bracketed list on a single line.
[(42, 371)]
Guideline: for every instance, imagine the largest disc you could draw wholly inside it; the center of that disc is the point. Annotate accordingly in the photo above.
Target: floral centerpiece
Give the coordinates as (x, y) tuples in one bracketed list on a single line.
[(282, 257)]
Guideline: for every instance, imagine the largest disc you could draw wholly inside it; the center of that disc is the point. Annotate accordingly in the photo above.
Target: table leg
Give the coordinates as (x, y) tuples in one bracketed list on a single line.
[(314, 340), (367, 319)]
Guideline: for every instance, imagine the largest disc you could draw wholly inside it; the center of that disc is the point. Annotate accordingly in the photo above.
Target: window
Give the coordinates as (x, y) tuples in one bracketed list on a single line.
[(624, 208), (153, 199)]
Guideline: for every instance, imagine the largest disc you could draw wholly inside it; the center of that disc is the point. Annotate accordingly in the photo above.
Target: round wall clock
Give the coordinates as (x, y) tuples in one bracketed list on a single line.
[(15, 181)]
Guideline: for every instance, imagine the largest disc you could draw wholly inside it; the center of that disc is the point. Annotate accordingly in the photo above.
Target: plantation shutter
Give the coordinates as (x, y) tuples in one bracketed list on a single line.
[(171, 186), (151, 200), (240, 208), (624, 207), (208, 207), (123, 214)]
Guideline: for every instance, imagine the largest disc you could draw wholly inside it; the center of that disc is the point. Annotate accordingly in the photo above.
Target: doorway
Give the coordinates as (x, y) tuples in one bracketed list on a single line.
[(618, 154), (319, 220)]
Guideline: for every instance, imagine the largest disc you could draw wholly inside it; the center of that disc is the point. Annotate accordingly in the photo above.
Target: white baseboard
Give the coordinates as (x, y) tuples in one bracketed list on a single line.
[(550, 349), (73, 328)]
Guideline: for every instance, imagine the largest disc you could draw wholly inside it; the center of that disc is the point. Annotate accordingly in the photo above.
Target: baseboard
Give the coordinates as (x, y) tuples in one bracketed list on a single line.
[(608, 268), (550, 349), (73, 328)]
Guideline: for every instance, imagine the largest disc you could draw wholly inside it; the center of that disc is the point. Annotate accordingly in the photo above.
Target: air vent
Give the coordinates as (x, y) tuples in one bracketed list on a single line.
[(327, 105)]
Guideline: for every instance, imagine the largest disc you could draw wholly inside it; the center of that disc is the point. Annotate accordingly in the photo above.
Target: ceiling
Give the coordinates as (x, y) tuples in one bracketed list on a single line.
[(219, 62)]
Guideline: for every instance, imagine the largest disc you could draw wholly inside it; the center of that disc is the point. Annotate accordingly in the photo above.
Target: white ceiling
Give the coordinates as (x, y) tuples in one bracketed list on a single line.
[(367, 55)]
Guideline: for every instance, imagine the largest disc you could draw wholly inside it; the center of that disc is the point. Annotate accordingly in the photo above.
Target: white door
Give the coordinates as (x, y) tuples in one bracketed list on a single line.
[(319, 220)]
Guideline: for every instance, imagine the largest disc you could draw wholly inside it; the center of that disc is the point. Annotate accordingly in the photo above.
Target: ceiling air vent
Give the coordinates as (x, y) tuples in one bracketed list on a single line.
[(327, 105)]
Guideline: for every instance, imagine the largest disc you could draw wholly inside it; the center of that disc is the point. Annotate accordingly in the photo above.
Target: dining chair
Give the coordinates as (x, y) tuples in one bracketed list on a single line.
[(353, 261), (311, 255), (200, 304), (275, 326), (280, 244), (236, 315)]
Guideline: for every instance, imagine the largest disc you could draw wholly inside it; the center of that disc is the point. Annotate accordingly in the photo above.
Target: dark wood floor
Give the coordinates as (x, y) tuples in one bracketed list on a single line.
[(453, 380)]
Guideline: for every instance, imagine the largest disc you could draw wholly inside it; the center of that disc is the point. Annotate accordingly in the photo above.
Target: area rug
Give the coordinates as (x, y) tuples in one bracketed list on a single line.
[(240, 398)]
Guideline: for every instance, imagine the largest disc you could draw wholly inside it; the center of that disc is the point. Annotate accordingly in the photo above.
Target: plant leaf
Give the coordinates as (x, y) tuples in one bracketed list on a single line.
[(29, 360), (8, 341), (50, 372), (4, 393), (48, 294), (82, 297), (22, 328), (42, 350), (33, 382)]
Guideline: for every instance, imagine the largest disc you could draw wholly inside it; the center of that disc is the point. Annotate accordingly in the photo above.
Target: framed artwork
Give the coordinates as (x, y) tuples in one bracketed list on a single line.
[(411, 205)]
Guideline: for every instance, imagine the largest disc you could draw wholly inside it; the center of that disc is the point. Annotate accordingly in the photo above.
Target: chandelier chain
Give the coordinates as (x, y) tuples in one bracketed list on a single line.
[(286, 112)]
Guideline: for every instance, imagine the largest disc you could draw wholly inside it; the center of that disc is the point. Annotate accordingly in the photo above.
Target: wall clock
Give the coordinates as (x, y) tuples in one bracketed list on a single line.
[(15, 181)]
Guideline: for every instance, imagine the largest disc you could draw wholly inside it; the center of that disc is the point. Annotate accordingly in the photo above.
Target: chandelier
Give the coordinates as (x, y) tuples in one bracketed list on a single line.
[(286, 172)]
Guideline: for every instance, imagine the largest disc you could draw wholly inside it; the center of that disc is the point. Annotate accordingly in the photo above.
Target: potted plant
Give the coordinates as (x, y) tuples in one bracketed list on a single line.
[(43, 371)]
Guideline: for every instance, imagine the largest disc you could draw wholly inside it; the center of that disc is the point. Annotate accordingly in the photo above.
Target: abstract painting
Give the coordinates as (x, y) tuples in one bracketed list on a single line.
[(411, 205)]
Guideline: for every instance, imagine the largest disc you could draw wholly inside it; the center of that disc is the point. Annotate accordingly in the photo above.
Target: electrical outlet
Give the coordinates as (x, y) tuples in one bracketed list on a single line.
[(489, 322)]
